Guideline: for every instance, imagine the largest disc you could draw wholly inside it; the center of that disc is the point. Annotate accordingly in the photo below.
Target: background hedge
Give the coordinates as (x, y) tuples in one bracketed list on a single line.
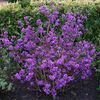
[(13, 12)]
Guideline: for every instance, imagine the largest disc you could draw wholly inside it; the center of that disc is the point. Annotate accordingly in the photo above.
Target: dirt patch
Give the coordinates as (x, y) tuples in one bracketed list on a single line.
[(86, 90)]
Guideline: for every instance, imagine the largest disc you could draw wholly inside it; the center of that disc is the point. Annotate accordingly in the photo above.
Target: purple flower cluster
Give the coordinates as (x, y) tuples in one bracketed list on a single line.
[(50, 60)]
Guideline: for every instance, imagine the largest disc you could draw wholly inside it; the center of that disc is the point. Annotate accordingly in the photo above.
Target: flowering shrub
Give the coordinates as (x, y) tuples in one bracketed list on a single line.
[(49, 56)]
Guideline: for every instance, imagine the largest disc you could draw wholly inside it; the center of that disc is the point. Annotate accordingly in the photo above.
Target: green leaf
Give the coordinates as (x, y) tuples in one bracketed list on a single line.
[(9, 86)]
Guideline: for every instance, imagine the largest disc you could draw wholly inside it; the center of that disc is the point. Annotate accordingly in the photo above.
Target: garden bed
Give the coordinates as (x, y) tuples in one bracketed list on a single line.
[(86, 90)]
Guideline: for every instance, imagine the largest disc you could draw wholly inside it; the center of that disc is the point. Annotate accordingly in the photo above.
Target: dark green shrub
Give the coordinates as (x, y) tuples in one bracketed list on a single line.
[(7, 68), (12, 1), (24, 3)]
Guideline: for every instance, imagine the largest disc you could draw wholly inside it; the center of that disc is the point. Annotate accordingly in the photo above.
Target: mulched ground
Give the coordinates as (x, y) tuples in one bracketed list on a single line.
[(86, 90)]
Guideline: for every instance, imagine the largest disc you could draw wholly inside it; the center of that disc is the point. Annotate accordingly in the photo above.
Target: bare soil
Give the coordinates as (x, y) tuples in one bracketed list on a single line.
[(82, 90)]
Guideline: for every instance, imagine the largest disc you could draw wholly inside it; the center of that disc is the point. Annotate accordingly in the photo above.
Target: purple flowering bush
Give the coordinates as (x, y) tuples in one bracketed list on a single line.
[(49, 54)]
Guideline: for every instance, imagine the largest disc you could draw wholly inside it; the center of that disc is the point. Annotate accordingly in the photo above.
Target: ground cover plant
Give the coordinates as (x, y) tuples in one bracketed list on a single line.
[(52, 54)]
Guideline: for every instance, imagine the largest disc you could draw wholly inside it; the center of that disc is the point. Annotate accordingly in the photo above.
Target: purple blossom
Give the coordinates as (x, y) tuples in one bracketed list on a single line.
[(70, 78), (47, 91), (29, 77), (53, 92), (47, 85), (21, 72), (17, 76), (32, 83), (41, 30), (6, 41), (65, 76), (5, 35), (10, 47), (39, 22), (40, 82), (52, 77), (26, 18), (63, 16), (19, 22)]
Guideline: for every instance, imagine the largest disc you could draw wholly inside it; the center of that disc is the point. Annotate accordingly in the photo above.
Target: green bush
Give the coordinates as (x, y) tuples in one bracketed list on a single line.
[(12, 13), (24, 3), (12, 1), (7, 68)]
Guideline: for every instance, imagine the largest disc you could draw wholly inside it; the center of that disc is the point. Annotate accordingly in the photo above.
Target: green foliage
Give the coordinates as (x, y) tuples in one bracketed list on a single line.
[(13, 13), (24, 3), (7, 68), (12, 1)]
